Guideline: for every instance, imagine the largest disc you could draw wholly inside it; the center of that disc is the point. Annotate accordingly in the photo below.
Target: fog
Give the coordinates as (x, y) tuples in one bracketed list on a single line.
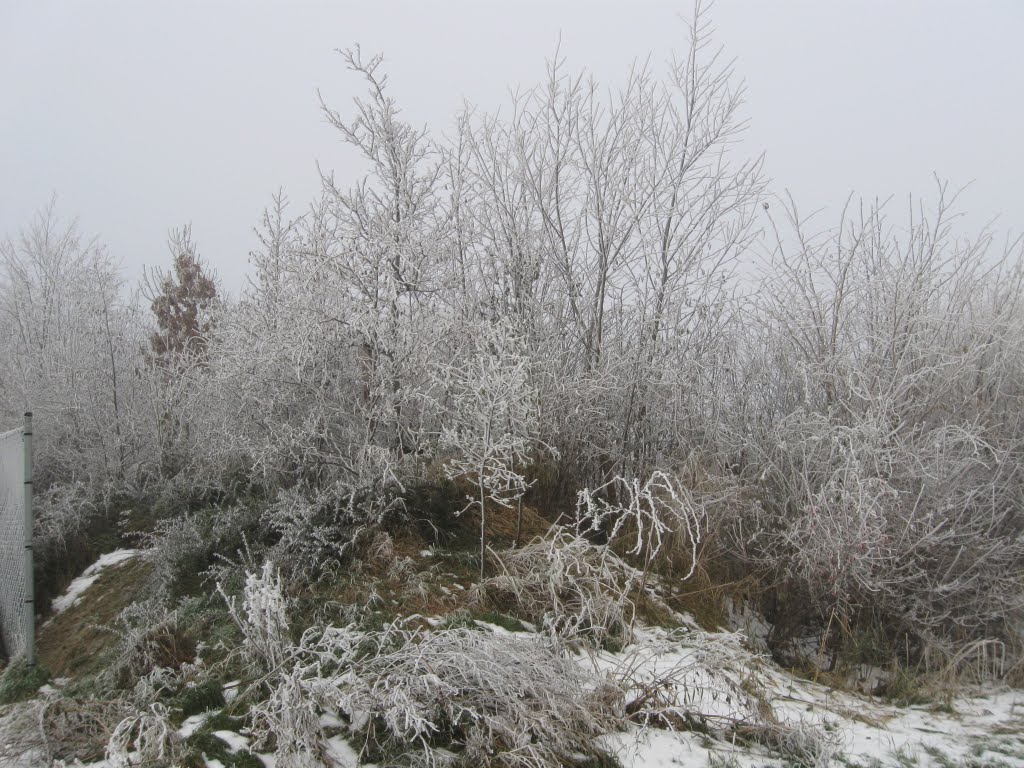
[(140, 117)]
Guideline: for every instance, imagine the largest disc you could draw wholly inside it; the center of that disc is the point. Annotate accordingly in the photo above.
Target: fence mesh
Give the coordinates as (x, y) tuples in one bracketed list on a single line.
[(12, 542)]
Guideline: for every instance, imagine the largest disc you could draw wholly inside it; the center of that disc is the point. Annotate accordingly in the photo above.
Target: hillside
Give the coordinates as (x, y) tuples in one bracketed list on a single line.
[(405, 656)]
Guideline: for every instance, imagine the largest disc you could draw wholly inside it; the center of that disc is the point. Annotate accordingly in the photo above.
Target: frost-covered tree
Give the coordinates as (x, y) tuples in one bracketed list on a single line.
[(185, 304), (389, 254), (883, 430), (183, 301), (71, 349), (490, 422), (608, 224)]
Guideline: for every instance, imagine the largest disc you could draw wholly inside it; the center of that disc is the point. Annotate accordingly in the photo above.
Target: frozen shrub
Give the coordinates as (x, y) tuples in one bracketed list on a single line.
[(51, 728), (918, 531), (289, 720), (647, 514), (157, 682), (262, 617), (182, 550), (150, 637), (318, 530), (573, 589), (149, 737), (880, 428), (419, 696), (461, 695), (312, 536), (287, 716), (178, 551), (67, 531), (62, 513)]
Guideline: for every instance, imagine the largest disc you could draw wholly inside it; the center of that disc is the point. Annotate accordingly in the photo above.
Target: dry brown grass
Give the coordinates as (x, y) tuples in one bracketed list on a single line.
[(75, 643)]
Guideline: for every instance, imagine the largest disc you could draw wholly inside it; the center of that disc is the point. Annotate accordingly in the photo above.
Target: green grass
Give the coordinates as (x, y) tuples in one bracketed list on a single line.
[(203, 746), (21, 681), (503, 620), (974, 761), (192, 700)]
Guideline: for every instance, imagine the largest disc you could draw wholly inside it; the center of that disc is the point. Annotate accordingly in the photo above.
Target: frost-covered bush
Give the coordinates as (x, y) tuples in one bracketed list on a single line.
[(919, 530), (285, 715), (573, 589), (262, 617), (416, 696), (69, 519), (150, 637), (461, 696), (178, 551), (317, 531), (147, 737), (312, 535), (62, 513), (646, 514), (880, 430), (182, 550), (289, 719)]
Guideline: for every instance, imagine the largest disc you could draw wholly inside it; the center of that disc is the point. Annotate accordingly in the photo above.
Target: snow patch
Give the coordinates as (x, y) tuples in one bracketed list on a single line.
[(234, 740), (231, 690), (192, 724), (748, 620), (341, 754), (78, 587)]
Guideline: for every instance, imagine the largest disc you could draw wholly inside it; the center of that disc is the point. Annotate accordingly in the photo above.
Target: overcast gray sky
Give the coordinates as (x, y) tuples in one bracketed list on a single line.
[(146, 115)]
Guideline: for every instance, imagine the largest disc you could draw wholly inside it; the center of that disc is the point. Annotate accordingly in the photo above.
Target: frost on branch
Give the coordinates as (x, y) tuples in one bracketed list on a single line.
[(289, 719), (573, 589), (148, 738), (492, 423), (493, 700), (645, 514), (262, 617)]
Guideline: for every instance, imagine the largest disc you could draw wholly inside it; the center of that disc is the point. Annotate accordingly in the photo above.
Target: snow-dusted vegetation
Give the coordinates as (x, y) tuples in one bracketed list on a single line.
[(547, 442)]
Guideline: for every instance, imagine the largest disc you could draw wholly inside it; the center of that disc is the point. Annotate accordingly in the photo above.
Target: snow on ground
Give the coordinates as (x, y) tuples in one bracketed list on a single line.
[(343, 754), (234, 741), (711, 674), (718, 676), (193, 724), (78, 587), (880, 731), (986, 730)]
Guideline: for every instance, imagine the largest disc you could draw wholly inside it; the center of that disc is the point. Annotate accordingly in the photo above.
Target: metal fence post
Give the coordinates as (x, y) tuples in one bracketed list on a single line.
[(30, 591)]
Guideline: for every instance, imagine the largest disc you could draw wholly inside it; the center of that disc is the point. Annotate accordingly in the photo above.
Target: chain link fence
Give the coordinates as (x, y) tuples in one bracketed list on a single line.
[(16, 593)]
